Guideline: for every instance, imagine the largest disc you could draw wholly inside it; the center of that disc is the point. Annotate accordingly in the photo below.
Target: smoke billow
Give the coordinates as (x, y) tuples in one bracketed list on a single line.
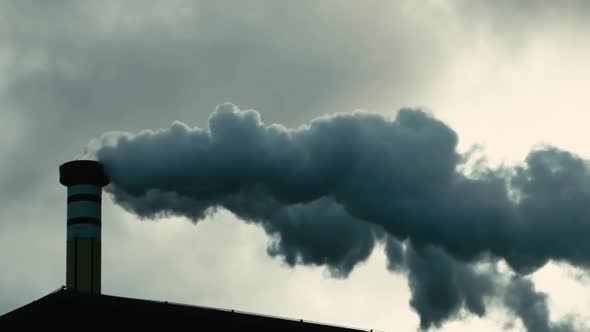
[(532, 308), (329, 191), (444, 288), (441, 287)]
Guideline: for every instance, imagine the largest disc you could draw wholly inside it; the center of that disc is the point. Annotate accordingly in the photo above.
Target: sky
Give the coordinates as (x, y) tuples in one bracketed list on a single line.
[(505, 76)]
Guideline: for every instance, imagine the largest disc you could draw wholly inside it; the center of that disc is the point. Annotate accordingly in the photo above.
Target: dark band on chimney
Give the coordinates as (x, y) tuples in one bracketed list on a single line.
[(84, 220), (83, 197)]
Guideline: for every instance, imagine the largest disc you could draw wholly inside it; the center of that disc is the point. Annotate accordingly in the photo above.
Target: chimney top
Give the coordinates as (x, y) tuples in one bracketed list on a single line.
[(82, 172)]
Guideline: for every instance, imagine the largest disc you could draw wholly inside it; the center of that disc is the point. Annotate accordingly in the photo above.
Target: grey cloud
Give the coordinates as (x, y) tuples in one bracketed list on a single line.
[(529, 10), (71, 70), (301, 238), (327, 191), (532, 307), (512, 24), (399, 174), (441, 286), (554, 188), (443, 289), (395, 254), (74, 69), (82, 61)]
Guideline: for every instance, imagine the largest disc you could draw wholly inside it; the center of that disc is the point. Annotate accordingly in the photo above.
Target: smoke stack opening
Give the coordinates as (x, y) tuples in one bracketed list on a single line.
[(84, 180)]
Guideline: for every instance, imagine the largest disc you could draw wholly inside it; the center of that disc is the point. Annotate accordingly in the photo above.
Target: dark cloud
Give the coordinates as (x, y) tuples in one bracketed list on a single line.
[(532, 307), (553, 190), (300, 238), (328, 190), (441, 286), (395, 253), (400, 174)]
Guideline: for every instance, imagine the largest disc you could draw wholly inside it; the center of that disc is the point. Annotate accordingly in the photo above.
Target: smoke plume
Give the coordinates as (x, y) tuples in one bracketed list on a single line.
[(329, 191)]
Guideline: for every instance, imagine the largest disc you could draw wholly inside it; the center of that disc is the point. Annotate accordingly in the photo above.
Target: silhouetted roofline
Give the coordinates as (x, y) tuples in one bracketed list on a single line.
[(69, 306)]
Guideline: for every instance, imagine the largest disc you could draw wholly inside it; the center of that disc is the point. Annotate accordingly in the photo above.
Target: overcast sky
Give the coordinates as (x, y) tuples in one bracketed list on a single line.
[(503, 74)]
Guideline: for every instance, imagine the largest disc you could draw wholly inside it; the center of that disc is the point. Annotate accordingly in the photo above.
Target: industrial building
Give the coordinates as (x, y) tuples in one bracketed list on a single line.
[(81, 305)]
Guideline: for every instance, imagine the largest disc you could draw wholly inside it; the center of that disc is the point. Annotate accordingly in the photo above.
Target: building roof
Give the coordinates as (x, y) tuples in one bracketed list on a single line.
[(65, 308)]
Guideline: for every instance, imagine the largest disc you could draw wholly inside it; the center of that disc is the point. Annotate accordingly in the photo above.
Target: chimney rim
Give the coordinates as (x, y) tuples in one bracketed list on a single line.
[(82, 172)]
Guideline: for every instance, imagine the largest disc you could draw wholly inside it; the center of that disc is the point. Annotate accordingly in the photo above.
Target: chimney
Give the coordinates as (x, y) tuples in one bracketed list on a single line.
[(84, 179)]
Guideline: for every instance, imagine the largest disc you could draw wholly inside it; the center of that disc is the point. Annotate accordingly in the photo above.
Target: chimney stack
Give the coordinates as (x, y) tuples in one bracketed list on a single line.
[(84, 179)]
